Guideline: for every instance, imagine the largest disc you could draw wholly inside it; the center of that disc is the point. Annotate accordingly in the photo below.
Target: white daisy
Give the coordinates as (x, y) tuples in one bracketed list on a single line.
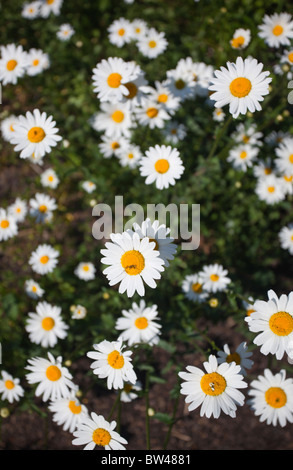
[(270, 189), (109, 146), (44, 259), (10, 387), (31, 10), (241, 38), (7, 127), (110, 77), (98, 432), (287, 57), (286, 238), (49, 178), (88, 186), (174, 132), (219, 115), (68, 412), (181, 83), (272, 398), (33, 289), (276, 29), (78, 312), (162, 165), (214, 278), (12, 63), (53, 379), (130, 392), (65, 32), (129, 156), (120, 32), (36, 159), (240, 356), (115, 120), (242, 85), (139, 28), (111, 362), (192, 288), (216, 390), (50, 6), (199, 72), (8, 225), (35, 133), (137, 88), (139, 324), (42, 207), (131, 262), (152, 44), (18, 210), (159, 234), (287, 182), (151, 113), (263, 168), (46, 326), (247, 134), (242, 156), (162, 95), (284, 153), (85, 271), (37, 62), (273, 321)]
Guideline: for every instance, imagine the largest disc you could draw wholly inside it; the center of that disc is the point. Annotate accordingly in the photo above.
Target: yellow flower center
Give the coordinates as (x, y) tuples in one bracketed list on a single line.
[(101, 437), (281, 323), (243, 155), (44, 259), (162, 98), (36, 134), (36, 62), (116, 360), (240, 87), (4, 223), (114, 80), (121, 32), (43, 208), (137, 30), (11, 64), (213, 384), (237, 42), (234, 357), (271, 189), (74, 408), (196, 287), (132, 88), (34, 289), (276, 397), (250, 311), (115, 145), (180, 84), (133, 262), (289, 179), (268, 171), (290, 56), (53, 373), (162, 165), (127, 388), (48, 323), (9, 384), (246, 139), (152, 112), (11, 128), (50, 2), (50, 178), (118, 116), (141, 323), (291, 158), (214, 277), (130, 156), (277, 30), (152, 44)]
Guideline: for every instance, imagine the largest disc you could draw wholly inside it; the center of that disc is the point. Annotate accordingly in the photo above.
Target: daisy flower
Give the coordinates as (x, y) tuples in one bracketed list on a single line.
[(242, 156), (199, 72), (50, 6), (85, 271), (44, 259), (49, 179), (129, 392), (35, 133), (287, 181), (53, 379), (109, 146), (31, 10), (272, 398), (151, 113), (18, 210), (111, 362), (214, 278), (240, 356), (110, 77), (263, 168), (78, 312), (162, 95), (46, 326), (139, 28), (242, 85), (68, 412), (215, 390), (152, 43), (96, 431), (174, 132), (159, 234), (192, 288), (139, 324), (284, 153), (137, 88), (270, 189), (7, 127), (241, 38), (276, 29), (37, 62), (247, 134), (287, 57), (286, 238), (88, 186), (42, 207), (114, 119), (131, 262), (180, 83), (33, 289), (129, 156), (8, 225), (273, 321), (219, 115), (10, 388), (162, 165), (65, 32), (12, 63), (120, 32)]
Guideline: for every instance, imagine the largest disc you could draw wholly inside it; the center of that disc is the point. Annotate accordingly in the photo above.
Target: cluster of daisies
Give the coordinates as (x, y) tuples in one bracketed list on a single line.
[(41, 9), (211, 279)]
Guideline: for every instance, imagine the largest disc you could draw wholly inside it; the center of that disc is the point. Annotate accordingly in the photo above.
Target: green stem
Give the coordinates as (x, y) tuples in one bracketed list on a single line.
[(219, 136), (175, 407), (116, 402), (147, 418)]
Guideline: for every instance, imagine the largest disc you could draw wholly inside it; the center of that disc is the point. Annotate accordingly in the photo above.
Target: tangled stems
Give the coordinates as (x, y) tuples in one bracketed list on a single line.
[(219, 136)]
